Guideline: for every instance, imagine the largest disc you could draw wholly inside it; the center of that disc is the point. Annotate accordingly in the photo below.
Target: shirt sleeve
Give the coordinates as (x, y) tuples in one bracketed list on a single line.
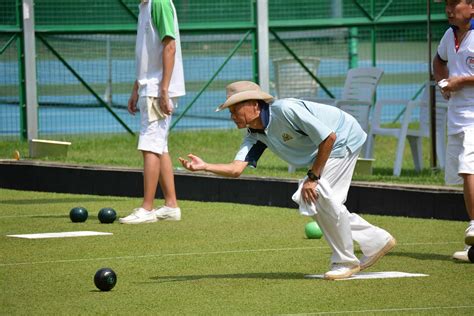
[(443, 45), (250, 150), (163, 17)]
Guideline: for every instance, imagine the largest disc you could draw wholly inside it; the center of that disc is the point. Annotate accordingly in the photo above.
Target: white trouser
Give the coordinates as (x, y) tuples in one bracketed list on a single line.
[(340, 226)]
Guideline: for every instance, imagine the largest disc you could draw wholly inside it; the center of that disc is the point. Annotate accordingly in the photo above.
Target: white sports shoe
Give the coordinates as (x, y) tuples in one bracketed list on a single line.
[(166, 213), (368, 261), (341, 271), (469, 239), (139, 216), (462, 255)]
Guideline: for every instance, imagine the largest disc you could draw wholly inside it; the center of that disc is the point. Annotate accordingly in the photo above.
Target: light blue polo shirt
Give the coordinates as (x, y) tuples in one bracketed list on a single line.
[(296, 128)]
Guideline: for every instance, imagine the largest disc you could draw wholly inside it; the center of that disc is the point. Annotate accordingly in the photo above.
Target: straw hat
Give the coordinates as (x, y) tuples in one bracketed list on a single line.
[(242, 91)]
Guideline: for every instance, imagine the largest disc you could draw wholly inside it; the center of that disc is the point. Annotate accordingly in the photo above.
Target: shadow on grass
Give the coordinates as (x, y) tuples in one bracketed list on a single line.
[(262, 276), (378, 171), (421, 256), (71, 200), (431, 176), (461, 262)]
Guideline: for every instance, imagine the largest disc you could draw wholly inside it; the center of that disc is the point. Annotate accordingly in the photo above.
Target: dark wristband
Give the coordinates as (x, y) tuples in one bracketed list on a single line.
[(312, 176)]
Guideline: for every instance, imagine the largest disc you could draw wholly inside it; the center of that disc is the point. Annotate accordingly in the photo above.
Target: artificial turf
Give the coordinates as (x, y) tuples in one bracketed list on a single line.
[(221, 258)]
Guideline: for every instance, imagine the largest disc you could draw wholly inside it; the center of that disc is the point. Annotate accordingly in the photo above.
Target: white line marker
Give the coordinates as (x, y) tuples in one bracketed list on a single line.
[(35, 215), (197, 254), (372, 275), (158, 255), (385, 310), (60, 235)]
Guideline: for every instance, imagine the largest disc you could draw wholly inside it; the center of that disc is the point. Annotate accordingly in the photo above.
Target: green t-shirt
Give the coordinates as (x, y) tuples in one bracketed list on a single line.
[(163, 18)]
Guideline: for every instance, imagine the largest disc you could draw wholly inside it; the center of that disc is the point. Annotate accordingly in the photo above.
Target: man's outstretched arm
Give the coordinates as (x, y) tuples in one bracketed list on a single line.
[(232, 170)]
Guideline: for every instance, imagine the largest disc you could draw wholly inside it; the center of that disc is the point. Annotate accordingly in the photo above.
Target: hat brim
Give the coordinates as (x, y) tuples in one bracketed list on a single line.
[(244, 96)]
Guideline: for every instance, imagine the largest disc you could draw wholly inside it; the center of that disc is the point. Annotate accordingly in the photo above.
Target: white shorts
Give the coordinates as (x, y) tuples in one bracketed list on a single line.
[(153, 135), (459, 156)]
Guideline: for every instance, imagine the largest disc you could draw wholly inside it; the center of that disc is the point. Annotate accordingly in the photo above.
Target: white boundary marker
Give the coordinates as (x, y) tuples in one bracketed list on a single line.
[(372, 275), (29, 215), (385, 310), (182, 254), (60, 235)]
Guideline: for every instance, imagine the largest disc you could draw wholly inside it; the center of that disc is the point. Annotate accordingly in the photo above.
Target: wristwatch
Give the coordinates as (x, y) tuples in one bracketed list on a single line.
[(312, 176)]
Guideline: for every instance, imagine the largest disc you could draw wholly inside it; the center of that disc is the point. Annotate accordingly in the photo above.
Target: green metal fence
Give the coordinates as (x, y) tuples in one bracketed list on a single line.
[(85, 56)]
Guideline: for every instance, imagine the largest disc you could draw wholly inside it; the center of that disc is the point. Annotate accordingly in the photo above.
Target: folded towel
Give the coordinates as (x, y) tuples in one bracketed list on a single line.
[(154, 110), (304, 208), (323, 189)]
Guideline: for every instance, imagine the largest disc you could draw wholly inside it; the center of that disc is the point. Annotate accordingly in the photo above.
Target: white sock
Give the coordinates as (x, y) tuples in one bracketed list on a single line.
[(471, 223), (170, 208)]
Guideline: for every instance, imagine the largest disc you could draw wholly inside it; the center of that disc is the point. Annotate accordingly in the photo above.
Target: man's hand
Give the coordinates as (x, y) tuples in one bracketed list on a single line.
[(446, 94), (165, 104), (194, 164), (453, 84), (450, 85), (132, 104), (308, 192)]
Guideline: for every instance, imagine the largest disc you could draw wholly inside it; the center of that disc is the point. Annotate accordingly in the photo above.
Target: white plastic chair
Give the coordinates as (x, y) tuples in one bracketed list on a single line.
[(292, 80), (414, 136), (360, 86), (360, 113), (358, 93)]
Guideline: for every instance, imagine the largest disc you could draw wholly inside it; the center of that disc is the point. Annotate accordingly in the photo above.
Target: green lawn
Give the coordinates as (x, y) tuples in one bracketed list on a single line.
[(221, 146), (220, 259)]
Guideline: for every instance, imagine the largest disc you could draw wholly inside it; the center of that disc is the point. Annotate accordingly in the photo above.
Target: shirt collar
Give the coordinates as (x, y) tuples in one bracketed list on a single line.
[(265, 114), (455, 28), (264, 117)]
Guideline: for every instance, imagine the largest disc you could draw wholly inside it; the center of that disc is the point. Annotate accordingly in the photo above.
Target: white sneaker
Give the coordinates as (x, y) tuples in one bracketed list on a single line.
[(139, 216), (166, 213), (469, 239), (341, 271), (462, 255), (368, 261)]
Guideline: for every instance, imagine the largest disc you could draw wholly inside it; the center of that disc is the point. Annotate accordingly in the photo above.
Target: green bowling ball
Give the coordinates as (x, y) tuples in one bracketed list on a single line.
[(313, 231)]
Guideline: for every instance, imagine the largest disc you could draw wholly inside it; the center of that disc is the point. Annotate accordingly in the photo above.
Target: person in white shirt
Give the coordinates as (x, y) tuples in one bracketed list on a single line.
[(454, 71), (159, 83)]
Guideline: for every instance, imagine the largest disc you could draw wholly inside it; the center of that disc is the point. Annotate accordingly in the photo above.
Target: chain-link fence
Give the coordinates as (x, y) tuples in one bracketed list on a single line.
[(86, 65)]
